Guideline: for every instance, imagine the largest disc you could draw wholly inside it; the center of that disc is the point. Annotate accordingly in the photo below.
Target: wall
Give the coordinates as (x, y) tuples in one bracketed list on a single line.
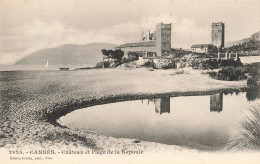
[(139, 49), (200, 50)]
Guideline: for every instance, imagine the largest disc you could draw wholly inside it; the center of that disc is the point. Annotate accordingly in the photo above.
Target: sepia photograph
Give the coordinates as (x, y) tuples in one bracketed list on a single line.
[(130, 81)]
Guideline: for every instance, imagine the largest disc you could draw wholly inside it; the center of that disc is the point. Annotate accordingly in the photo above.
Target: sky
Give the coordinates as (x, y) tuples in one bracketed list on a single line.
[(30, 25)]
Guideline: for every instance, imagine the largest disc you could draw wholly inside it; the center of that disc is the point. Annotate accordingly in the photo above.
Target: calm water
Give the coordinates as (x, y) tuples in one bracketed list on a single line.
[(250, 59), (39, 67), (202, 122)]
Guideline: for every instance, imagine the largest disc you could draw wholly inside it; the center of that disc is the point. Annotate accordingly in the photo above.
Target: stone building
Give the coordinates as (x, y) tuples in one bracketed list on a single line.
[(200, 48), (151, 45), (218, 34), (217, 39)]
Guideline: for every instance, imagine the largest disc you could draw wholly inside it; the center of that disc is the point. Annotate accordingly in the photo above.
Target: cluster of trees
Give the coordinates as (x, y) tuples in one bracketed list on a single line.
[(216, 63), (252, 45), (253, 82), (212, 49), (178, 53), (229, 73), (117, 54)]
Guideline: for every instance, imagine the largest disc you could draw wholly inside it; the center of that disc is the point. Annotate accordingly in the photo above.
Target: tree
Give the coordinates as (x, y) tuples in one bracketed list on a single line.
[(119, 54), (104, 52), (212, 49), (111, 54)]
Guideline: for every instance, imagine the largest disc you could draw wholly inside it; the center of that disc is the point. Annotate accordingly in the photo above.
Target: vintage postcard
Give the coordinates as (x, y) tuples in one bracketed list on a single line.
[(130, 81)]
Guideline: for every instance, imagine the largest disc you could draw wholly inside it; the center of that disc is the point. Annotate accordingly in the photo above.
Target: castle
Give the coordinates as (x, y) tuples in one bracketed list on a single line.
[(151, 45), (217, 39), (158, 43)]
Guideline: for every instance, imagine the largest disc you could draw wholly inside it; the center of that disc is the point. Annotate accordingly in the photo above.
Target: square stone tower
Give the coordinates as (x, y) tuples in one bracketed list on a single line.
[(163, 38), (218, 34)]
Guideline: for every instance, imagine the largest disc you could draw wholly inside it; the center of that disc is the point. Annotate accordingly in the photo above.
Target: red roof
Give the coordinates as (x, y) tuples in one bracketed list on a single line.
[(139, 44)]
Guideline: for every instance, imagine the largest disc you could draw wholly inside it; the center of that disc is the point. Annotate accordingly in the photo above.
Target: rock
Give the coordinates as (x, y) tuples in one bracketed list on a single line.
[(103, 64), (134, 64), (164, 63), (137, 141), (141, 61), (150, 69), (73, 139), (2, 135), (178, 65), (112, 63)]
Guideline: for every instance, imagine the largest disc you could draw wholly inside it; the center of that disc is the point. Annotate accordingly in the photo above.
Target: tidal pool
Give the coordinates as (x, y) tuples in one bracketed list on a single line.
[(201, 122)]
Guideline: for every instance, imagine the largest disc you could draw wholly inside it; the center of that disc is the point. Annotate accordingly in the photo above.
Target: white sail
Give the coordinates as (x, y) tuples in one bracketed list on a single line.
[(47, 64)]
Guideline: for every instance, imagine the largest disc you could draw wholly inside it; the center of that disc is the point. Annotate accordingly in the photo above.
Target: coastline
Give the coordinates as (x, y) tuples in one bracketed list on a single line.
[(53, 94)]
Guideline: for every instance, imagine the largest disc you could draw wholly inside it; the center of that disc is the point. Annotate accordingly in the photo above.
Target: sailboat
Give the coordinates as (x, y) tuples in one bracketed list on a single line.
[(47, 64)]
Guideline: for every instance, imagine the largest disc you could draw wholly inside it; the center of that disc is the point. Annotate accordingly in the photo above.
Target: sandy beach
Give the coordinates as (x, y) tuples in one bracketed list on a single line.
[(32, 101)]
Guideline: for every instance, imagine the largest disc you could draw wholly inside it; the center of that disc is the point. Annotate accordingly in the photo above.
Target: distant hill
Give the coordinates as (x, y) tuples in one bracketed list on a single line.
[(68, 54), (255, 36)]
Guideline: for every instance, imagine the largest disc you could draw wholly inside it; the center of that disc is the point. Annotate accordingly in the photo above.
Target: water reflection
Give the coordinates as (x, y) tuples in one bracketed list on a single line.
[(163, 105), (216, 102), (193, 121)]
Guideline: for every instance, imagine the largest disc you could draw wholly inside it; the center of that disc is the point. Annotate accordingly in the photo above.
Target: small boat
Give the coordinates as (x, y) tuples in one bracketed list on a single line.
[(47, 64), (64, 68)]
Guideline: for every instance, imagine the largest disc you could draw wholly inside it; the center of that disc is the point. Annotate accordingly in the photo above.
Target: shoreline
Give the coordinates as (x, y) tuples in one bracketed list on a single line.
[(57, 113), (47, 98), (70, 106)]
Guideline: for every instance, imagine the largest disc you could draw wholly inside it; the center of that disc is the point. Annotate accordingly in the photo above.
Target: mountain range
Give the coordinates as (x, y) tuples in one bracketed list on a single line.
[(255, 36), (68, 54), (89, 54)]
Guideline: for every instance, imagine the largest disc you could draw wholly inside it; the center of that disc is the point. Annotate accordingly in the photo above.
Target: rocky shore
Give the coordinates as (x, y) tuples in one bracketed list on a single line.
[(32, 101)]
